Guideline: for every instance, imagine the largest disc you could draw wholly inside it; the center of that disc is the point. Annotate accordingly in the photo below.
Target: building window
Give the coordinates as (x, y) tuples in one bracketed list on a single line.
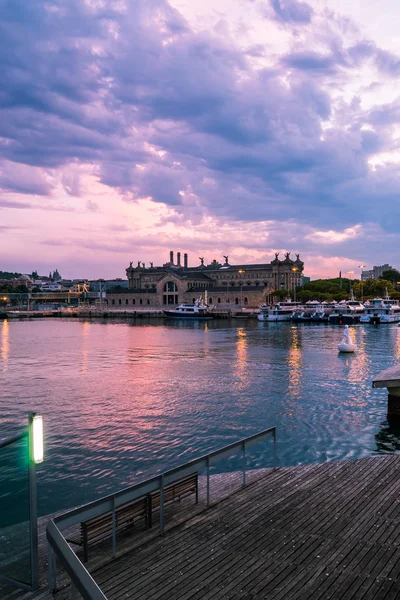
[(126, 301), (113, 301), (170, 286), (246, 301), (133, 301), (219, 300), (120, 301), (228, 300), (169, 297), (140, 301), (210, 300), (236, 300), (148, 301)]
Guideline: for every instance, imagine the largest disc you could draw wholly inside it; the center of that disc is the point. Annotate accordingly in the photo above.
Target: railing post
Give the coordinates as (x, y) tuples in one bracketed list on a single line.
[(52, 570), (274, 448), (162, 503), (33, 508), (114, 529), (244, 463), (208, 480)]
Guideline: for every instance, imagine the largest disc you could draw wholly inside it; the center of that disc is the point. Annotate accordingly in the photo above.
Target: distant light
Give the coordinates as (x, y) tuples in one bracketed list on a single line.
[(37, 434)]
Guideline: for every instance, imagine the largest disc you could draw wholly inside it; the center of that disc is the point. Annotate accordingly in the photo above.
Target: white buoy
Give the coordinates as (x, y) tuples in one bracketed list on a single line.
[(346, 345)]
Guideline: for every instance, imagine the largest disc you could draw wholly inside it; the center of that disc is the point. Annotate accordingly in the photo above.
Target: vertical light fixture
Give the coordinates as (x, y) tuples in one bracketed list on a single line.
[(294, 282), (241, 271), (35, 444), (361, 281), (37, 434)]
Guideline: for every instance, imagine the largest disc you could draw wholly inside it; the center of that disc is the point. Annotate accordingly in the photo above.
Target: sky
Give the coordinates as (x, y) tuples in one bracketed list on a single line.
[(129, 128)]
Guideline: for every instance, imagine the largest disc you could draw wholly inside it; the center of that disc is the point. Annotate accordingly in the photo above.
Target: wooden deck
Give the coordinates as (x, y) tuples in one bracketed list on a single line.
[(312, 532)]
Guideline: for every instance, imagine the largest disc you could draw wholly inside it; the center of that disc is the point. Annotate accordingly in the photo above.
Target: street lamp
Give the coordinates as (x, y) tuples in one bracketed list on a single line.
[(361, 280), (241, 271), (294, 269)]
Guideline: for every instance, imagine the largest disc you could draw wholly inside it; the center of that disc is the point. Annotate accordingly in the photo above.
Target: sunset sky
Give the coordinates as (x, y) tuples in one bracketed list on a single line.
[(129, 128)]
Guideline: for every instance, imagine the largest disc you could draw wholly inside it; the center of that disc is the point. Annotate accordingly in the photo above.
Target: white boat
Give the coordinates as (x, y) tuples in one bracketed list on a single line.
[(347, 311), (282, 311), (381, 310), (198, 310)]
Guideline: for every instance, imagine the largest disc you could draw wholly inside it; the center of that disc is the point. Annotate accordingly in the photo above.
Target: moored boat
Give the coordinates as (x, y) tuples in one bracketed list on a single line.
[(282, 311), (381, 310), (198, 310)]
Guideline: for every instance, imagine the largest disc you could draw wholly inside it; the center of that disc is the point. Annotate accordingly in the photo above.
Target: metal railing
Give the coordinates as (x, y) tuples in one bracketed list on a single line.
[(59, 547)]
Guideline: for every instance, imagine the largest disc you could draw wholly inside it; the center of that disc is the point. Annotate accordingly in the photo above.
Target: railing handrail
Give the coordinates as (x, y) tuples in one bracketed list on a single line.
[(14, 438), (79, 575), (152, 483)]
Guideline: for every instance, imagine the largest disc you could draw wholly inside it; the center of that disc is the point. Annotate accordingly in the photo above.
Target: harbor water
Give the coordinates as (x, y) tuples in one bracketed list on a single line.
[(122, 401)]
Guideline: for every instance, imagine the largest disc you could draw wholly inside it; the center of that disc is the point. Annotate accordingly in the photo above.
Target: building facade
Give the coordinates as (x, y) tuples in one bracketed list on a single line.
[(219, 283), (375, 272)]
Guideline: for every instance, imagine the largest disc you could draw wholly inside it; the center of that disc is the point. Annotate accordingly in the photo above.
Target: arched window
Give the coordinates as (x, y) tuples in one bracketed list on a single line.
[(140, 301), (126, 301), (246, 301), (170, 295), (193, 300), (210, 300), (148, 301), (113, 301), (236, 300), (120, 301), (219, 300), (133, 301), (228, 300)]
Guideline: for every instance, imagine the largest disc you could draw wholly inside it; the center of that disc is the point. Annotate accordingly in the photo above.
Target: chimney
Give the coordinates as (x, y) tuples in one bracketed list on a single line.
[(178, 258), (185, 260), (171, 257)]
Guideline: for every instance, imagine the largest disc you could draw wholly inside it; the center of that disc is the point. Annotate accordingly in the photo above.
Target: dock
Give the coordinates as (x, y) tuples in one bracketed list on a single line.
[(320, 531), (390, 379)]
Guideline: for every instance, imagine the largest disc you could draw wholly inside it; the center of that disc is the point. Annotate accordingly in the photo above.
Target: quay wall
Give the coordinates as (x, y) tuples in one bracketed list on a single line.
[(110, 313)]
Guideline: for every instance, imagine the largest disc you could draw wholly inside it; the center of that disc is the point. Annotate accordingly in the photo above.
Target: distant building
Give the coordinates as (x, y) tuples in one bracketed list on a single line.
[(55, 276), (375, 272), (222, 283)]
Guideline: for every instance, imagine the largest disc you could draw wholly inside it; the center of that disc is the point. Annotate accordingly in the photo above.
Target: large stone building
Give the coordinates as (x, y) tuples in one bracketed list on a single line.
[(221, 284)]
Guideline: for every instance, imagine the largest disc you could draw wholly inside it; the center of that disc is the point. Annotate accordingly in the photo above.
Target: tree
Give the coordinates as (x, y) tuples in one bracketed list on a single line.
[(392, 275)]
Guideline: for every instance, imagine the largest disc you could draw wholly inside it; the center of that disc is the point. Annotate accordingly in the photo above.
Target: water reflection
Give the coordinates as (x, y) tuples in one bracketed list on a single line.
[(5, 344), (240, 366), (85, 346), (294, 360)]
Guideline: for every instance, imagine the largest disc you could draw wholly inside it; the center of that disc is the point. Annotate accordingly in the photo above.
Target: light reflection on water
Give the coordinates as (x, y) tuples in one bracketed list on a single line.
[(122, 401)]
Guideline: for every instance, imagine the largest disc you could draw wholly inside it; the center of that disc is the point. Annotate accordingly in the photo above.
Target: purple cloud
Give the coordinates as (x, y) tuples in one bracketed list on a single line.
[(181, 116), (292, 11)]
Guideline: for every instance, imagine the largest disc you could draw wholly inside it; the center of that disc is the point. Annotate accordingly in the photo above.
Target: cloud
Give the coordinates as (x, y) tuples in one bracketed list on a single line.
[(292, 11), (12, 204), (191, 118)]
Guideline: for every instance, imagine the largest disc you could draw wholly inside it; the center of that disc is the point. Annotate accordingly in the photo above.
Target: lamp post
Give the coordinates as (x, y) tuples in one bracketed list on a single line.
[(241, 271), (361, 281), (294, 269)]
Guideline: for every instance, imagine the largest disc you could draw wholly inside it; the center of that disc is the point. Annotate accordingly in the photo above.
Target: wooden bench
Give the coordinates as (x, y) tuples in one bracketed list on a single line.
[(174, 491), (98, 528)]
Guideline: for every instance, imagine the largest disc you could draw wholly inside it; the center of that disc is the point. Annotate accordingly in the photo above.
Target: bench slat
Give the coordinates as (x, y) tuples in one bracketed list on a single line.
[(100, 527)]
